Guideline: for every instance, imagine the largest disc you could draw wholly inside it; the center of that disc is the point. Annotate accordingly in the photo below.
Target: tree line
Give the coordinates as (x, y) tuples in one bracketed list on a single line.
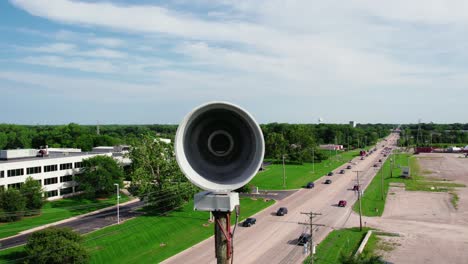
[(73, 135), (293, 140), (430, 134), (299, 142)]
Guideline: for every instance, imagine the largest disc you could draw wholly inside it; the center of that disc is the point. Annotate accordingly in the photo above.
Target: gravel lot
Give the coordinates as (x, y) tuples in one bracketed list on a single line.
[(431, 230)]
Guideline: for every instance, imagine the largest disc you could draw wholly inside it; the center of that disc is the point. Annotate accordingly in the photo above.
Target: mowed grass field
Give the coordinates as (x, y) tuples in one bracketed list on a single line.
[(372, 202), (58, 210), (297, 176), (337, 243), (151, 238)]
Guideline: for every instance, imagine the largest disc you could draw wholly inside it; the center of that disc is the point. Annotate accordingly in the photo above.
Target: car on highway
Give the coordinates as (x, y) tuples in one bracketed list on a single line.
[(310, 185), (376, 165), (249, 222), (356, 187), (348, 167), (342, 203), (304, 238), (282, 211), (342, 171), (380, 160), (330, 173), (328, 182)]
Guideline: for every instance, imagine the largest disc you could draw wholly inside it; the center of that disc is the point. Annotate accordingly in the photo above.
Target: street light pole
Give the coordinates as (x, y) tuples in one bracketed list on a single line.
[(118, 200)]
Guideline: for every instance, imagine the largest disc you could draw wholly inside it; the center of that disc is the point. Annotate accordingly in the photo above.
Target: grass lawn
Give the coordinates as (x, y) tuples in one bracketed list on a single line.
[(372, 202), (297, 176), (57, 210), (337, 243), (151, 238)]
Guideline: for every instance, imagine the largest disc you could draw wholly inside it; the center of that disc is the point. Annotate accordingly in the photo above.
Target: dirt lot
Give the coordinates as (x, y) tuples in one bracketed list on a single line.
[(431, 230)]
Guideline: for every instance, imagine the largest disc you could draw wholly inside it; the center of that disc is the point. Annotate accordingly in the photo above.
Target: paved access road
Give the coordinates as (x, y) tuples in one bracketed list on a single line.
[(274, 239), (84, 224)]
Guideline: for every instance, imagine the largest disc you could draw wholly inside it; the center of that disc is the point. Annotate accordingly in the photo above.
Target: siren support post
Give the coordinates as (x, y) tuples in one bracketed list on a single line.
[(220, 205), (219, 147), (223, 237)]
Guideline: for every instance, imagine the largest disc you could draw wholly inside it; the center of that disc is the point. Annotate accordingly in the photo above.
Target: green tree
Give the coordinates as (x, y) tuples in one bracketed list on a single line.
[(13, 205), (99, 175), (55, 245), (156, 174), (32, 192), (3, 140)]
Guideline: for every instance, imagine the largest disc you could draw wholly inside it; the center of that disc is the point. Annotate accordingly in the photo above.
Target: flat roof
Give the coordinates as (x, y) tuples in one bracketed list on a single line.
[(52, 155)]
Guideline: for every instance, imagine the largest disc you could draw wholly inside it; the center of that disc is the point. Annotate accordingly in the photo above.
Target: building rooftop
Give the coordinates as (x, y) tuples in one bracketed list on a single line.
[(52, 155)]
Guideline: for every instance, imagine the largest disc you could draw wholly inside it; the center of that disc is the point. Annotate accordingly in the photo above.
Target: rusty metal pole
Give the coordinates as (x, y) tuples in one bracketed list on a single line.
[(222, 237)]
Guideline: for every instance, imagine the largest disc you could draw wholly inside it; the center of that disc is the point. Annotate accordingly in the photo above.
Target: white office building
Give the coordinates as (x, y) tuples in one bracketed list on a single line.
[(55, 169)]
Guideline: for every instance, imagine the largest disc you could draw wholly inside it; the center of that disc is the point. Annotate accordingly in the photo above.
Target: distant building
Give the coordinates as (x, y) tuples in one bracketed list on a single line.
[(54, 168), (352, 123), (331, 147)]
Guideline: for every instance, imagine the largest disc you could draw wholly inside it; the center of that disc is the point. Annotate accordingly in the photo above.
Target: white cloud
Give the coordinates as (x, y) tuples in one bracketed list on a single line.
[(275, 47), (73, 50), (77, 64), (107, 42)]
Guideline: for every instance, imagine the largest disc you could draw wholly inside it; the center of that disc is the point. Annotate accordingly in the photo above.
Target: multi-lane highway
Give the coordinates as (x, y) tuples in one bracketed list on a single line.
[(274, 238)]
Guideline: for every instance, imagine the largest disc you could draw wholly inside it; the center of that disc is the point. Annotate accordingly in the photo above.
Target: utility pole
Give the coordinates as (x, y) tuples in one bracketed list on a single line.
[(359, 200), (311, 227), (382, 179), (284, 174)]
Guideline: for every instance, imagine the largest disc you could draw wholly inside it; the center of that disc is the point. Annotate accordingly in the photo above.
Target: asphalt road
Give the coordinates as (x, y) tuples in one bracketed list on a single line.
[(84, 224), (274, 239)]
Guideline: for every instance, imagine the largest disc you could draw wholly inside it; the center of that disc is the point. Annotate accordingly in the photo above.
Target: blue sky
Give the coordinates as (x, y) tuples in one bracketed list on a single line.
[(136, 62)]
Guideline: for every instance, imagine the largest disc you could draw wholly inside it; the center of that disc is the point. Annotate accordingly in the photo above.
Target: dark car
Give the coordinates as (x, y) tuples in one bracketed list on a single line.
[(249, 222), (349, 167), (342, 203), (342, 171), (356, 187), (328, 182), (385, 155), (330, 173), (380, 160), (376, 165), (303, 239), (362, 158), (282, 211), (310, 185)]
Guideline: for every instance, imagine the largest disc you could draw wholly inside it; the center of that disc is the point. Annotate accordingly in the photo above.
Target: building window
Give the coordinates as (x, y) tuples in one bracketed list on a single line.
[(66, 166), (2, 174), (49, 181), (33, 170), (15, 172), (51, 193), (78, 165), (50, 168), (15, 185), (66, 191), (66, 178)]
